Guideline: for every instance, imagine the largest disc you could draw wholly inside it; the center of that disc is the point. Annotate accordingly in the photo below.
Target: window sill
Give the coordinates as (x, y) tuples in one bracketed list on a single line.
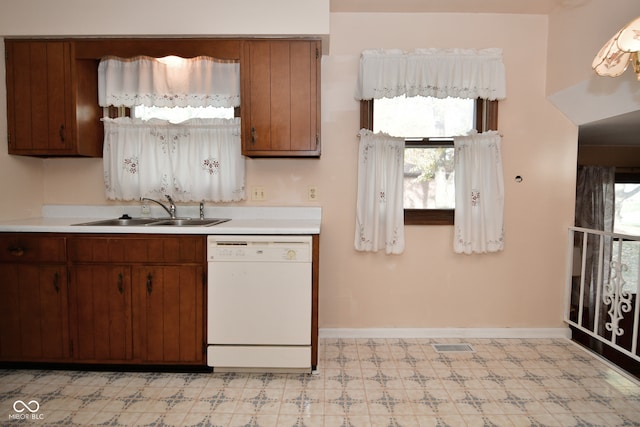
[(429, 216)]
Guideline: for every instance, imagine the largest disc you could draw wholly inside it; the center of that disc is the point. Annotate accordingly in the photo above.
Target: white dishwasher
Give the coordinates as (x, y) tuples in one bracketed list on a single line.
[(259, 302)]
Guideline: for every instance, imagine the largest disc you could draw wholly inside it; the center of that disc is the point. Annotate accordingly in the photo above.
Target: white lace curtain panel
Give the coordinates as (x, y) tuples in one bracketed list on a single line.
[(439, 73), (479, 213), (195, 160), (379, 209), (171, 82)]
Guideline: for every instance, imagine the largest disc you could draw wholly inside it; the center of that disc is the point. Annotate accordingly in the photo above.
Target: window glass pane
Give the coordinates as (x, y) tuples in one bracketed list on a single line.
[(421, 116), (180, 114), (429, 178), (627, 211), (629, 251), (627, 221)]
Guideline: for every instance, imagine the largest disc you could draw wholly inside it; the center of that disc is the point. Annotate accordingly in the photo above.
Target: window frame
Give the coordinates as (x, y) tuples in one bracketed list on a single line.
[(485, 119), (627, 175)]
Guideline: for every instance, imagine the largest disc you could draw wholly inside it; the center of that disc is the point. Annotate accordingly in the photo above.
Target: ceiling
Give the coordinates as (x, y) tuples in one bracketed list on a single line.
[(622, 130), (618, 130)]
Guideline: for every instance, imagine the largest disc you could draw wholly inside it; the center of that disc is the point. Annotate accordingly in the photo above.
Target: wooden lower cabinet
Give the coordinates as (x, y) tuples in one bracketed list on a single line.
[(33, 290), (168, 316), (137, 300), (33, 320), (101, 313)]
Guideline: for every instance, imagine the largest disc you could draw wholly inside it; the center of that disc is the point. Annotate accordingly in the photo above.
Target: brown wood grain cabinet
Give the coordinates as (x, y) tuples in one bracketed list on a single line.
[(52, 92), (280, 98), (168, 319), (33, 291), (100, 301), (52, 107), (137, 299)]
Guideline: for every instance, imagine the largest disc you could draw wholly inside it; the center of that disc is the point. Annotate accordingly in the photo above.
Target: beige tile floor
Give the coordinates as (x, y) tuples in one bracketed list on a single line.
[(359, 382)]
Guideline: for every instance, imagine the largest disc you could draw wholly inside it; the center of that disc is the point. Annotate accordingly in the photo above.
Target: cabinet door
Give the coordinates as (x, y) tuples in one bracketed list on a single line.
[(33, 321), (168, 314), (101, 312), (39, 96), (280, 98)]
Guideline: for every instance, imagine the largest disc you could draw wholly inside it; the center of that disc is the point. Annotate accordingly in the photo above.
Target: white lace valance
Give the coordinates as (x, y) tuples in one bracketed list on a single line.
[(439, 73), (178, 82)]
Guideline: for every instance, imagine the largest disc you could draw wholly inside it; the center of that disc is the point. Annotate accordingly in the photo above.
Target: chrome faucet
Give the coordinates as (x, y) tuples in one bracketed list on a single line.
[(171, 210)]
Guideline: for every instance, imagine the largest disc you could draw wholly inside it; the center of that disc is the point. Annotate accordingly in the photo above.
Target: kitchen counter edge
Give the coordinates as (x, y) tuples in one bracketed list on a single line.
[(235, 226)]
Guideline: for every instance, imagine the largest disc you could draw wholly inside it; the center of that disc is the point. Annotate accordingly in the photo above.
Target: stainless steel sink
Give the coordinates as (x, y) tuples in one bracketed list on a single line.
[(120, 222), (149, 222), (186, 222)]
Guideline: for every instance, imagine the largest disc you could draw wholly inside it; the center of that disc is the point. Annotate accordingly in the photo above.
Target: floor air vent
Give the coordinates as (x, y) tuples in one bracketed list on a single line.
[(453, 348)]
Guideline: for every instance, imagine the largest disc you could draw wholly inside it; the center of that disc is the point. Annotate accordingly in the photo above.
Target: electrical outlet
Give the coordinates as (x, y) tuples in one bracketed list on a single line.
[(312, 193), (258, 194), (145, 210)]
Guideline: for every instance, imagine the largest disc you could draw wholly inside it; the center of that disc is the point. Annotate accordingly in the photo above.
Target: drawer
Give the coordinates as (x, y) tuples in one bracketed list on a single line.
[(21, 247), (134, 249)]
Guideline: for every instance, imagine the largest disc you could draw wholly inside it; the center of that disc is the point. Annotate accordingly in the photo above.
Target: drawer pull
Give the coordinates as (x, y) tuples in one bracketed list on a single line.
[(16, 251), (120, 283), (149, 283), (61, 133)]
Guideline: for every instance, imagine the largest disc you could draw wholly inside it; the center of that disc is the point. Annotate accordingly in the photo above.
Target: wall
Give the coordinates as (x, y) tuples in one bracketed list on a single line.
[(428, 286), (21, 178), (149, 17), (577, 31)]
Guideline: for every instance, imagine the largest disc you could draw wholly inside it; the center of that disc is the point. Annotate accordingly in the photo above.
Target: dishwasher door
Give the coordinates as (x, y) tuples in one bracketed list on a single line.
[(259, 301)]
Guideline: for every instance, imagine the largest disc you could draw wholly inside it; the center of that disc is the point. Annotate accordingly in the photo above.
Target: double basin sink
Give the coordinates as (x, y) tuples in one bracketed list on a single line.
[(125, 221)]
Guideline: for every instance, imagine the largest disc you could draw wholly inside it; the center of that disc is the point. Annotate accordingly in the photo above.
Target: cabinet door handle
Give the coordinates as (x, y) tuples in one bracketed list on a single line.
[(149, 283), (120, 283), (56, 285), (253, 135), (61, 133), (16, 251)]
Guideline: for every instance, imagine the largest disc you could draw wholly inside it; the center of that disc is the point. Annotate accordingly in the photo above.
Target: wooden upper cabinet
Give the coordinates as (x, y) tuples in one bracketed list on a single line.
[(52, 105), (52, 92), (280, 106)]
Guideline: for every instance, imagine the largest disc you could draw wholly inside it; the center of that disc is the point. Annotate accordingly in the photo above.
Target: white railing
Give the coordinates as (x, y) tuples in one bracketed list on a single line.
[(602, 285)]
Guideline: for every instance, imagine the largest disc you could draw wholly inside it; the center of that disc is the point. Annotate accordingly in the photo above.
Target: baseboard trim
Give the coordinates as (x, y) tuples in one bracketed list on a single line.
[(445, 333)]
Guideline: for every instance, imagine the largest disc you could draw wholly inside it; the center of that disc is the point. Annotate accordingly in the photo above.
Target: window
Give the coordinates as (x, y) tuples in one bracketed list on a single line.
[(627, 221), (627, 204), (428, 125), (180, 114), (190, 160)]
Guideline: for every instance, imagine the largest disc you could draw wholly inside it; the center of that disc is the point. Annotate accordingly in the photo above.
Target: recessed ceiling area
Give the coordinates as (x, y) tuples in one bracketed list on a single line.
[(622, 130)]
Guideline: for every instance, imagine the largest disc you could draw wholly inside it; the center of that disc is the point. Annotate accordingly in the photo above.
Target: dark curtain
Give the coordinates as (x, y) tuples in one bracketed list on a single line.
[(595, 207)]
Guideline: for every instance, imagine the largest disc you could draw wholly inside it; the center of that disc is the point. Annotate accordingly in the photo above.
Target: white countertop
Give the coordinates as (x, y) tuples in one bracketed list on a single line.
[(244, 220)]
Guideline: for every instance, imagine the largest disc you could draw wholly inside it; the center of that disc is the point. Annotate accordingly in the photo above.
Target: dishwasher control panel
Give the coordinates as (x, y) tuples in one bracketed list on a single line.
[(259, 248)]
